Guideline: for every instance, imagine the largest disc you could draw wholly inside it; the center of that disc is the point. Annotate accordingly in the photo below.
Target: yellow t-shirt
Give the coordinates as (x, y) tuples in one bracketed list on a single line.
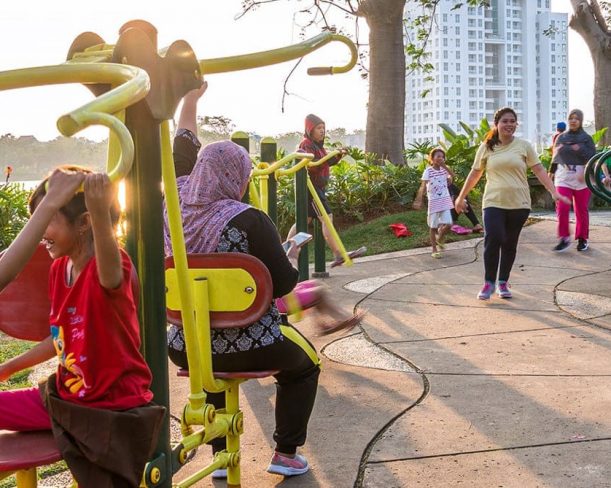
[(506, 166)]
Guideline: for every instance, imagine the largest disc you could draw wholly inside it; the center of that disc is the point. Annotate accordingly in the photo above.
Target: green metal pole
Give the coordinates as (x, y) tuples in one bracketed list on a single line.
[(301, 218), (242, 139), (145, 246), (320, 270), (268, 155)]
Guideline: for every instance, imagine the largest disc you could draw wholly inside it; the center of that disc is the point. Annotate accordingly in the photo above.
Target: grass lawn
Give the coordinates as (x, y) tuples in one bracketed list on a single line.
[(379, 238)]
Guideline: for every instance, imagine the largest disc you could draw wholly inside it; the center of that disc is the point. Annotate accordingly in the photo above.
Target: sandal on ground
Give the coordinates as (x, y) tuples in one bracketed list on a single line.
[(350, 323), (478, 228), (436, 255), (352, 255)]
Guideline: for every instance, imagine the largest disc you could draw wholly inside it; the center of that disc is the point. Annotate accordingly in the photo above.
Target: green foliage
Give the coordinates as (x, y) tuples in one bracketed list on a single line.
[(359, 186), (599, 135), (13, 212)]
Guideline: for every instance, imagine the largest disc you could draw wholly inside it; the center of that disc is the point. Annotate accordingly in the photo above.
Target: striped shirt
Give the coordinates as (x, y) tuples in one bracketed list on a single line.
[(437, 189)]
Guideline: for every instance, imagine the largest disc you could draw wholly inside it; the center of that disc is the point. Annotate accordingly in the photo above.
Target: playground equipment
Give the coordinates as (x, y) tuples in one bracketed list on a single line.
[(138, 90), (263, 197), (594, 171)]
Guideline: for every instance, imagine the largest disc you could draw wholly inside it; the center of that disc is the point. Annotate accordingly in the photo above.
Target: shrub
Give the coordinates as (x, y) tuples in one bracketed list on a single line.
[(13, 212)]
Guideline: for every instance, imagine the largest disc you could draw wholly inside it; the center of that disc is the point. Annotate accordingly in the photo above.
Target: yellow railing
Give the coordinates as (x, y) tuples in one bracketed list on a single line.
[(281, 55)]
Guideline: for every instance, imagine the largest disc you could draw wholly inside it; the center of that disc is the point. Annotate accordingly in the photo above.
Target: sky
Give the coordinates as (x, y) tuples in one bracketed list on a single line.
[(39, 33)]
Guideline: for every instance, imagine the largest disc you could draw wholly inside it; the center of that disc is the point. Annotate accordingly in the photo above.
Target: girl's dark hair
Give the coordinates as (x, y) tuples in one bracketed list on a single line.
[(433, 151), (76, 206), (492, 137)]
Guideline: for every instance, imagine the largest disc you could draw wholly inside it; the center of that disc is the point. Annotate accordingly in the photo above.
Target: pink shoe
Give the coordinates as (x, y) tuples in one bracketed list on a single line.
[(287, 466)]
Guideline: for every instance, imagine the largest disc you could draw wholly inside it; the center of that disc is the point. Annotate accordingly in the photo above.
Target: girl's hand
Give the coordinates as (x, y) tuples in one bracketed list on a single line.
[(62, 187), (575, 147), (99, 193), (417, 205), (460, 205)]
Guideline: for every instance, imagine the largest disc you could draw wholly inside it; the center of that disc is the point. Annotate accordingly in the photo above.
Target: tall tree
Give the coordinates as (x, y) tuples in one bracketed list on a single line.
[(387, 65), (590, 22)]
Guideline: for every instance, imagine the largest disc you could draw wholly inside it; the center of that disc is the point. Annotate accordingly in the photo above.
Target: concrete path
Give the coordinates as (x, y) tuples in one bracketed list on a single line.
[(439, 389)]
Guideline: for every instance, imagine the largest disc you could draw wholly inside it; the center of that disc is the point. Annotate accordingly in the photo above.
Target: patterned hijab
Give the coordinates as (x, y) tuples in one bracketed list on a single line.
[(210, 195)]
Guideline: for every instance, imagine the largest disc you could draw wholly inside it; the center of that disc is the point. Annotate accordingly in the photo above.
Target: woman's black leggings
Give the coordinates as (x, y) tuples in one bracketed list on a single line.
[(296, 383), (502, 229)]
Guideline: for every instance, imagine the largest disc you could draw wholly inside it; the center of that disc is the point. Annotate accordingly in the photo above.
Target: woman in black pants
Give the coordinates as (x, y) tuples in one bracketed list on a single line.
[(211, 185), (506, 202)]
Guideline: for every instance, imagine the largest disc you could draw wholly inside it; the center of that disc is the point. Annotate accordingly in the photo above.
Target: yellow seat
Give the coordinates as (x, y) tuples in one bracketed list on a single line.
[(228, 290)]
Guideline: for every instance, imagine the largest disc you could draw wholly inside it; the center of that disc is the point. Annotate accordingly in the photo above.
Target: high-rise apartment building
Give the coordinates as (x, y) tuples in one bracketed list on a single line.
[(487, 58)]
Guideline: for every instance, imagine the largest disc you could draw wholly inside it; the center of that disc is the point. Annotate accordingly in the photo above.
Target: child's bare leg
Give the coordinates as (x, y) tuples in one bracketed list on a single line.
[(433, 234), (329, 238), (443, 230)]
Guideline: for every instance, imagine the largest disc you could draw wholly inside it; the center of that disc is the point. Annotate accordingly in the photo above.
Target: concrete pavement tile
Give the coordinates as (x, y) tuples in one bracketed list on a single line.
[(598, 283), (352, 406), (473, 275), (536, 254), (525, 297), (474, 413), (416, 321), (355, 350), (583, 305), (578, 465), (554, 351), (604, 322)]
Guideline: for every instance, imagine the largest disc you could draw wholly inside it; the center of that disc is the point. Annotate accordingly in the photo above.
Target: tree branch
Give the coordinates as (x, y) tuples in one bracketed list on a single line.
[(285, 91), (248, 5)]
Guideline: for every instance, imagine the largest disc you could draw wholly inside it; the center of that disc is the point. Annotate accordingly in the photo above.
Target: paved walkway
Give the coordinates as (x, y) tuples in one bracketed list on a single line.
[(439, 389)]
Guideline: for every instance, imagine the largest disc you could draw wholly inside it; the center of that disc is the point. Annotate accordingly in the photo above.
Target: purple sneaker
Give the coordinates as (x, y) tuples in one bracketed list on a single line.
[(503, 290), (486, 291), (287, 466)]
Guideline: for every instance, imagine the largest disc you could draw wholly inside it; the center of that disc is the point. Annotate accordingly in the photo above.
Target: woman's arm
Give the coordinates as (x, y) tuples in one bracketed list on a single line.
[(38, 354), (460, 204), (264, 245), (188, 113), (546, 181)]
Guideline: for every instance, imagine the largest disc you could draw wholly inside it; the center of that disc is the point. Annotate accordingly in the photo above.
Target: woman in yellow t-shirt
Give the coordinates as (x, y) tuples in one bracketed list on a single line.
[(506, 203)]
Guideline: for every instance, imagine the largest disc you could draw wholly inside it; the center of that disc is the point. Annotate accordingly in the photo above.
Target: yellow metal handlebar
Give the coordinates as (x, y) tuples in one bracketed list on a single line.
[(293, 169), (322, 160), (281, 55), (132, 84), (271, 168)]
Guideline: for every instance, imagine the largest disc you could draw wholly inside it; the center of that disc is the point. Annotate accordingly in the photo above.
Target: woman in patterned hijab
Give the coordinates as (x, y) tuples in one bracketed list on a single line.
[(210, 196)]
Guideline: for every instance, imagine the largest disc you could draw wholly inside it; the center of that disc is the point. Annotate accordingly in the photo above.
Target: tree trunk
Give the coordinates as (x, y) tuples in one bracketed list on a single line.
[(598, 40), (385, 111)]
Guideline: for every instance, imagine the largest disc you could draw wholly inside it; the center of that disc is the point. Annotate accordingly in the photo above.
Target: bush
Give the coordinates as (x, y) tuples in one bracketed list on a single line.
[(13, 212)]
